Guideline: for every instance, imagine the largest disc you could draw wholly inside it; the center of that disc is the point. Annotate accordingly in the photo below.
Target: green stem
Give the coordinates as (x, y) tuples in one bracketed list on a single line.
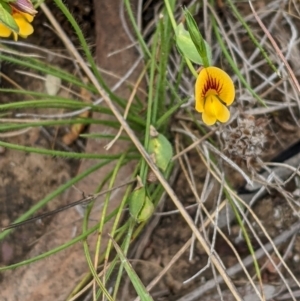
[(105, 207), (174, 25), (144, 165), (170, 13), (42, 151), (136, 29), (90, 263), (191, 67)]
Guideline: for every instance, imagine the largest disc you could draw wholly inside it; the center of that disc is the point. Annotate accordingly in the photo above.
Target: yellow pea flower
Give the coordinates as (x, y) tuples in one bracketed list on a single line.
[(214, 91), (23, 21)]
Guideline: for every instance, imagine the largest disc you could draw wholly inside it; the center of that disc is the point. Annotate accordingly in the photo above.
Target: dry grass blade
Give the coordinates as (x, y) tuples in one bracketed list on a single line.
[(193, 296), (291, 73), (213, 219), (147, 158), (130, 100), (227, 188)]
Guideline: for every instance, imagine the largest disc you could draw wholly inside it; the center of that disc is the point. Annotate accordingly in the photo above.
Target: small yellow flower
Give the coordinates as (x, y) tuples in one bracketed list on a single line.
[(23, 21), (214, 91)]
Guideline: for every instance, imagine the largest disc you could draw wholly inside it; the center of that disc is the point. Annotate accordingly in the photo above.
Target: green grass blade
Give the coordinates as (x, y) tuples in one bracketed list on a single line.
[(42, 151), (134, 278)]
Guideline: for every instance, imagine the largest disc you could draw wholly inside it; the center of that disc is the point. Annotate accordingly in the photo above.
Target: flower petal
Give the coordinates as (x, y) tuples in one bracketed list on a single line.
[(208, 115), (28, 17), (227, 93), (199, 105), (211, 78), (214, 110), (4, 31), (227, 90), (221, 111), (25, 28), (208, 119)]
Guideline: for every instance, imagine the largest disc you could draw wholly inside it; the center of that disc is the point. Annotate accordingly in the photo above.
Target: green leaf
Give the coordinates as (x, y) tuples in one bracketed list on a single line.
[(188, 48), (196, 37), (136, 202), (7, 19), (140, 206), (161, 149), (146, 211)]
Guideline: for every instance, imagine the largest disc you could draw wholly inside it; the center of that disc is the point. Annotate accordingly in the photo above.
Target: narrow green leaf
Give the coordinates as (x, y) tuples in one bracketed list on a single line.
[(188, 48), (140, 206), (196, 37), (7, 19), (136, 202), (134, 278), (146, 211)]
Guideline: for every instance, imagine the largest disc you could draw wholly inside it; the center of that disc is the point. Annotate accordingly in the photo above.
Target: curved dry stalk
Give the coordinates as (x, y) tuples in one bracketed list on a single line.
[(198, 292), (86, 287), (162, 180), (15, 133), (13, 83), (273, 42), (141, 149), (234, 196), (195, 143), (214, 220), (130, 100)]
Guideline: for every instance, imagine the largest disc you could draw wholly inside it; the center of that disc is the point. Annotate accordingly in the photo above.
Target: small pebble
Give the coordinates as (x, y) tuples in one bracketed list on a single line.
[(296, 258), (87, 9), (277, 214)]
